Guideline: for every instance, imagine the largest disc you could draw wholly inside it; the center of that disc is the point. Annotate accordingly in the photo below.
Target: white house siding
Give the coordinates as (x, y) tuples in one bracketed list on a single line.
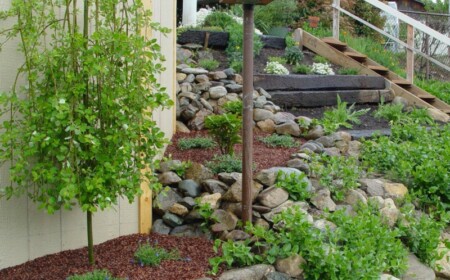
[(26, 232)]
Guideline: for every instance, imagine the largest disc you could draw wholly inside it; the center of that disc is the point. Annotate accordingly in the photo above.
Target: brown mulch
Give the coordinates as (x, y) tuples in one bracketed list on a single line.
[(263, 156), (117, 257)]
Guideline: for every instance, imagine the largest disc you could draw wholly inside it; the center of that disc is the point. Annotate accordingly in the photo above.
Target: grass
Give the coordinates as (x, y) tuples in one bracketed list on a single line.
[(196, 143), (276, 140)]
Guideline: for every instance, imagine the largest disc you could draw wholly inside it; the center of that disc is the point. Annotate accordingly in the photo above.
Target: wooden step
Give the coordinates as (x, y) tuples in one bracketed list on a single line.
[(402, 83), (335, 43), (440, 106), (356, 56), (378, 68), (427, 97)]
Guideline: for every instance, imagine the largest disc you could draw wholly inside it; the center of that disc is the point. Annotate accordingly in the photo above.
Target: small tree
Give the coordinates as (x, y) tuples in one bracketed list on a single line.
[(79, 132)]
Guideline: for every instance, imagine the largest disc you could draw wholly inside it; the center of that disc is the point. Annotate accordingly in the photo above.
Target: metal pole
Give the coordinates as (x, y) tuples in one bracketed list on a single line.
[(336, 12), (189, 12), (247, 180)]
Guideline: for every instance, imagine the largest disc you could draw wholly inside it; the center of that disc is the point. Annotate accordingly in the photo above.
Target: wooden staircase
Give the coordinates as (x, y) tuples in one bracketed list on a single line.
[(339, 53)]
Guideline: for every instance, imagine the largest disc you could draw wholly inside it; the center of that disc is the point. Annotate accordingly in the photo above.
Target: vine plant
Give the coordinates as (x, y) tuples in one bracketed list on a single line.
[(80, 131)]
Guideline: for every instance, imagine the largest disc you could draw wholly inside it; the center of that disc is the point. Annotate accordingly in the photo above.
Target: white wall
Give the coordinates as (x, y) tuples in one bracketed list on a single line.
[(27, 233)]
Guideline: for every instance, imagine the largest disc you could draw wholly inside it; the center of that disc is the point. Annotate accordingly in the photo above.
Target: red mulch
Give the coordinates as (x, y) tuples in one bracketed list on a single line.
[(117, 257), (263, 157)]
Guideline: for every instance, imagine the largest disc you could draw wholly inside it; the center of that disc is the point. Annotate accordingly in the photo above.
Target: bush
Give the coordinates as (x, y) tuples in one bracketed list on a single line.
[(278, 59), (320, 59), (278, 13), (276, 140), (391, 112), (236, 44), (348, 71), (225, 163), (209, 64), (196, 143), (94, 275), (296, 184), (302, 69), (276, 68), (225, 130), (153, 256), (293, 55), (322, 69), (219, 18), (234, 107)]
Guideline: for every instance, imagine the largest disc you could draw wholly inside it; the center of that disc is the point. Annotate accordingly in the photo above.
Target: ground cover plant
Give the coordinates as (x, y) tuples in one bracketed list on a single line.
[(95, 275), (225, 163), (196, 143), (277, 140), (151, 255)]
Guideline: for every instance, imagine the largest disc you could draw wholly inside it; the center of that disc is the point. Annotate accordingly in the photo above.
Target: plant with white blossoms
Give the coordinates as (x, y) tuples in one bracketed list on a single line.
[(322, 69), (201, 16), (274, 67)]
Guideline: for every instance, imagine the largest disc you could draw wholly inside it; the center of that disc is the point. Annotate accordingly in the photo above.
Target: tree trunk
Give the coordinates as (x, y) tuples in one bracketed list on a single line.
[(90, 238)]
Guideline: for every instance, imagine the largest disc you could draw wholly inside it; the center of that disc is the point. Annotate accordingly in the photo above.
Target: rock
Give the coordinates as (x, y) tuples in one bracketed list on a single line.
[(229, 72), (267, 177), (312, 146), (181, 127), (193, 46), (188, 202), (198, 121), (237, 235), (259, 102), (214, 186), (324, 225), (206, 104), (193, 230), (230, 178), (261, 115), (444, 263), (169, 178), (193, 217), (273, 197), (233, 207), (322, 200), (395, 190), (354, 148), (211, 199), (388, 277), (218, 75), (290, 265), (170, 165), (341, 136), (195, 71), (217, 92), (389, 203), (288, 128), (276, 276), (378, 201), (233, 88), (332, 152), (390, 215), (189, 188), (283, 117), (186, 87), (373, 187), (348, 209), (160, 227), (303, 206), (172, 219), (400, 100), (264, 93), (238, 79), (315, 132), (302, 156), (417, 270), (201, 78), (326, 141), (188, 112), (304, 122), (262, 223), (190, 78), (181, 77), (165, 199), (234, 193), (178, 209), (437, 115), (198, 172), (201, 87), (354, 197), (183, 54), (266, 126), (261, 209), (225, 218), (298, 164), (255, 272)]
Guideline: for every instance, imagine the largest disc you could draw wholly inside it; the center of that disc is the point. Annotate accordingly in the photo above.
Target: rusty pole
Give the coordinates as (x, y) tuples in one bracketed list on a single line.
[(247, 180)]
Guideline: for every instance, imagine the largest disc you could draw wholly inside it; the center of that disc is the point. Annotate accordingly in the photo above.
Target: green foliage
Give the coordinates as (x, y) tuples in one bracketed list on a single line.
[(278, 59), (290, 42), (370, 14), (341, 116), (234, 107), (94, 275), (277, 13), (293, 55), (417, 156), (225, 163), (422, 236), (439, 89), (180, 170), (391, 112), (233, 253), (225, 129), (302, 69), (348, 71), (205, 211), (337, 173), (219, 18), (153, 256), (276, 140), (320, 59), (436, 6), (296, 184), (196, 143), (208, 64)]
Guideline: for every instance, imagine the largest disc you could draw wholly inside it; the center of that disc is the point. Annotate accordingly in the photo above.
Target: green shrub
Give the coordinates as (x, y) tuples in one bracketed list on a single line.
[(153, 255), (302, 69), (439, 89), (341, 116), (348, 71), (278, 13), (337, 173), (391, 112), (296, 184), (208, 64), (94, 275), (234, 107), (196, 143), (320, 59), (225, 163), (276, 140), (225, 129), (290, 41), (293, 55), (219, 18), (236, 43), (278, 59)]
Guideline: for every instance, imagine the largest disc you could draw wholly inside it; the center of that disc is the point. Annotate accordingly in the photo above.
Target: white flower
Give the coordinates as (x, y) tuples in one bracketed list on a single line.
[(274, 67), (62, 101), (322, 69), (125, 126)]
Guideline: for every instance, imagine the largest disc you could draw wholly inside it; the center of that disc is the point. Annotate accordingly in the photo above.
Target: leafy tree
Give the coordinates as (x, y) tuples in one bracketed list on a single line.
[(80, 130)]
